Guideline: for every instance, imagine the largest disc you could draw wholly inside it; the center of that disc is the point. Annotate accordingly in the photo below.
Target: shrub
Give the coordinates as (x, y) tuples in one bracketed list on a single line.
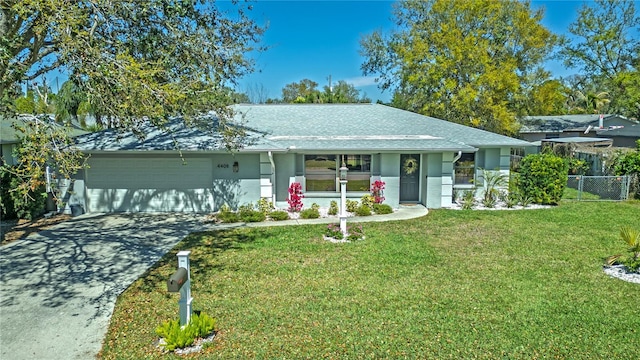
[(382, 209), (7, 209), (377, 190), (247, 213), (225, 215), (577, 166), (15, 205), (368, 201), (315, 206), (363, 210), (245, 209), (629, 164), (310, 214), (333, 208), (253, 216), (543, 177), (295, 197), (265, 206), (352, 205), (279, 215), (176, 337)]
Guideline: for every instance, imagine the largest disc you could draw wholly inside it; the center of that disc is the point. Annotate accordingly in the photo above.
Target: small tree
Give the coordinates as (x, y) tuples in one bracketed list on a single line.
[(295, 197), (543, 177)]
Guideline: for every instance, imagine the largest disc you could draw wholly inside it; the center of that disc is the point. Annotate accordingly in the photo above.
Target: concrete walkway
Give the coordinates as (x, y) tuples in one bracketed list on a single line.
[(58, 287)]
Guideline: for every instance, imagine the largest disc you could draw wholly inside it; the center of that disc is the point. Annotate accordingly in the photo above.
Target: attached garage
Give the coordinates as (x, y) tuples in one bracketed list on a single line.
[(147, 183)]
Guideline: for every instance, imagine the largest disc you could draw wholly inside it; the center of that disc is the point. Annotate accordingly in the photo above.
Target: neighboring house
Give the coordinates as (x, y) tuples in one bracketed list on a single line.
[(9, 137), (625, 136), (421, 160), (537, 128)]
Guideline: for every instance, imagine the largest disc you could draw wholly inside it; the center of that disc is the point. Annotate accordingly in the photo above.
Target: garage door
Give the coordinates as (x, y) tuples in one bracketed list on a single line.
[(149, 184)]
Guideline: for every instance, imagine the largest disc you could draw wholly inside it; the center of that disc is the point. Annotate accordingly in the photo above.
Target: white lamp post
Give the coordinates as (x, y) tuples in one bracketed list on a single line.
[(343, 198)]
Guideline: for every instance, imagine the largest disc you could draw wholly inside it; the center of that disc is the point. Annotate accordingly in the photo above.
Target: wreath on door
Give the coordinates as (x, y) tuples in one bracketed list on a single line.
[(410, 166)]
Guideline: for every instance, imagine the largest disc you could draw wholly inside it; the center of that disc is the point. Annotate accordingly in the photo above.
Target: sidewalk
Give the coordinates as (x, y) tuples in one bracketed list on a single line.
[(403, 212)]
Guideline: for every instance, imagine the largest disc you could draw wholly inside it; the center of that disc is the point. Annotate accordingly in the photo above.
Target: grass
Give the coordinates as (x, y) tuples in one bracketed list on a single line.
[(454, 284), (572, 194)]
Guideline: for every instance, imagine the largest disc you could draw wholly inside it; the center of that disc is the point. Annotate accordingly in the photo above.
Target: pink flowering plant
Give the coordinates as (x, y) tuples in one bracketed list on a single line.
[(295, 197), (377, 189), (333, 231), (355, 232)]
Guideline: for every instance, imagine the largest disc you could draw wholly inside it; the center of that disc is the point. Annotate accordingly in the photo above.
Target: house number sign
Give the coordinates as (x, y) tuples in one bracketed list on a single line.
[(224, 166)]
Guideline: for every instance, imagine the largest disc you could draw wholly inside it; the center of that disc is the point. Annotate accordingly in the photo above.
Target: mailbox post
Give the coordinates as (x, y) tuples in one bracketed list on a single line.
[(181, 281), (343, 198)]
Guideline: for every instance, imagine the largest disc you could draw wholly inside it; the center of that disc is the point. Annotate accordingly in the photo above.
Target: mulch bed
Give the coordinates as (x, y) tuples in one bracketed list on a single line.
[(13, 230)]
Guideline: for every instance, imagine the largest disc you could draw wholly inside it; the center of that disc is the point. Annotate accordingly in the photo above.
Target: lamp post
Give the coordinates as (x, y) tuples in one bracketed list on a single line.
[(343, 198)]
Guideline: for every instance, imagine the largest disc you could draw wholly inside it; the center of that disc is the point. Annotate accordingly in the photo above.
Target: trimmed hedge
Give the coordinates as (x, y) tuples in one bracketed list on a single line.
[(543, 177)]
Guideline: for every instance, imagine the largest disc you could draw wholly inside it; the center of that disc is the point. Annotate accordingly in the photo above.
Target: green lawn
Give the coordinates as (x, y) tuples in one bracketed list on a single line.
[(454, 284)]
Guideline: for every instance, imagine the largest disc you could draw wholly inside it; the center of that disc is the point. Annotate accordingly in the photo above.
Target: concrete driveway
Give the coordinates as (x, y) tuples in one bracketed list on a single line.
[(58, 287)]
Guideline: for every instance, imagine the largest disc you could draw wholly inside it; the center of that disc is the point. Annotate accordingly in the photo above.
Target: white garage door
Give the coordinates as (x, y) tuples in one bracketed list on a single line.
[(149, 184)]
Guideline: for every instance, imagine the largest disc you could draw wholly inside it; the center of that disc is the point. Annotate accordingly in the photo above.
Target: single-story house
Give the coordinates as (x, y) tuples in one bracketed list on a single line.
[(537, 128), (421, 160), (9, 137)]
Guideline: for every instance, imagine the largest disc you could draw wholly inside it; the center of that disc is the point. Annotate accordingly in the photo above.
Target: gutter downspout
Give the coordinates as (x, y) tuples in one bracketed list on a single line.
[(457, 157), (273, 178)]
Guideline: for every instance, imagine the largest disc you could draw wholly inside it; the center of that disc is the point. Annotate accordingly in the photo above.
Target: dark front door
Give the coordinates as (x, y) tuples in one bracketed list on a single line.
[(409, 177)]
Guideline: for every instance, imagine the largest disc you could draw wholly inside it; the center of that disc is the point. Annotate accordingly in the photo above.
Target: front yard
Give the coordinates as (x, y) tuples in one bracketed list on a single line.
[(454, 284)]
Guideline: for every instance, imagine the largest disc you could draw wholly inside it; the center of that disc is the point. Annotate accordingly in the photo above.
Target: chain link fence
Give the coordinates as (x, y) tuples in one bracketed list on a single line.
[(598, 188)]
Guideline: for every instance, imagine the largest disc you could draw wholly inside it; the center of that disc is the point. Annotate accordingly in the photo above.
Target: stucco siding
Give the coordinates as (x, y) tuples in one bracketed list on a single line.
[(390, 174), (285, 168)]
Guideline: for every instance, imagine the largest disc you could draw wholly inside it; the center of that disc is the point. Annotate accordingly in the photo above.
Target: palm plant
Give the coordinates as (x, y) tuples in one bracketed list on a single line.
[(493, 181), (632, 238)]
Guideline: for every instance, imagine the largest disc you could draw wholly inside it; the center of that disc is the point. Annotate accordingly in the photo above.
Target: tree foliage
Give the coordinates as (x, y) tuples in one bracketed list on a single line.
[(306, 91), (602, 44), (463, 61), (137, 61), (604, 48), (68, 101)]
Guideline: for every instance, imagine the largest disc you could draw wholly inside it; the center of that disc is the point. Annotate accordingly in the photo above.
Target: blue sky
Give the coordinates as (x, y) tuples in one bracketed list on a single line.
[(318, 39), (315, 39)]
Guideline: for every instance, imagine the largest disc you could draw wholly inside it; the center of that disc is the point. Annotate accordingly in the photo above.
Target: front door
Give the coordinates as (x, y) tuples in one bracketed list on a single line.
[(409, 178)]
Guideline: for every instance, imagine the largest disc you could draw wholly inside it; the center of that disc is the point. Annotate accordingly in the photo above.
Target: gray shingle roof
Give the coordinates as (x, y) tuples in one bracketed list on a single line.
[(175, 136), (396, 129), (627, 131), (306, 127), (559, 123), (9, 135)]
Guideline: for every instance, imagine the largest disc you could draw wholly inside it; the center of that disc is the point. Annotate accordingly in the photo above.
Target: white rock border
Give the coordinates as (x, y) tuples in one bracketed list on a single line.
[(620, 272)]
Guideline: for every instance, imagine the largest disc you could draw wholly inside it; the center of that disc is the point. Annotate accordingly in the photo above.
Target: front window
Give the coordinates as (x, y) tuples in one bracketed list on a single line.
[(359, 174), (465, 169), (322, 172)]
